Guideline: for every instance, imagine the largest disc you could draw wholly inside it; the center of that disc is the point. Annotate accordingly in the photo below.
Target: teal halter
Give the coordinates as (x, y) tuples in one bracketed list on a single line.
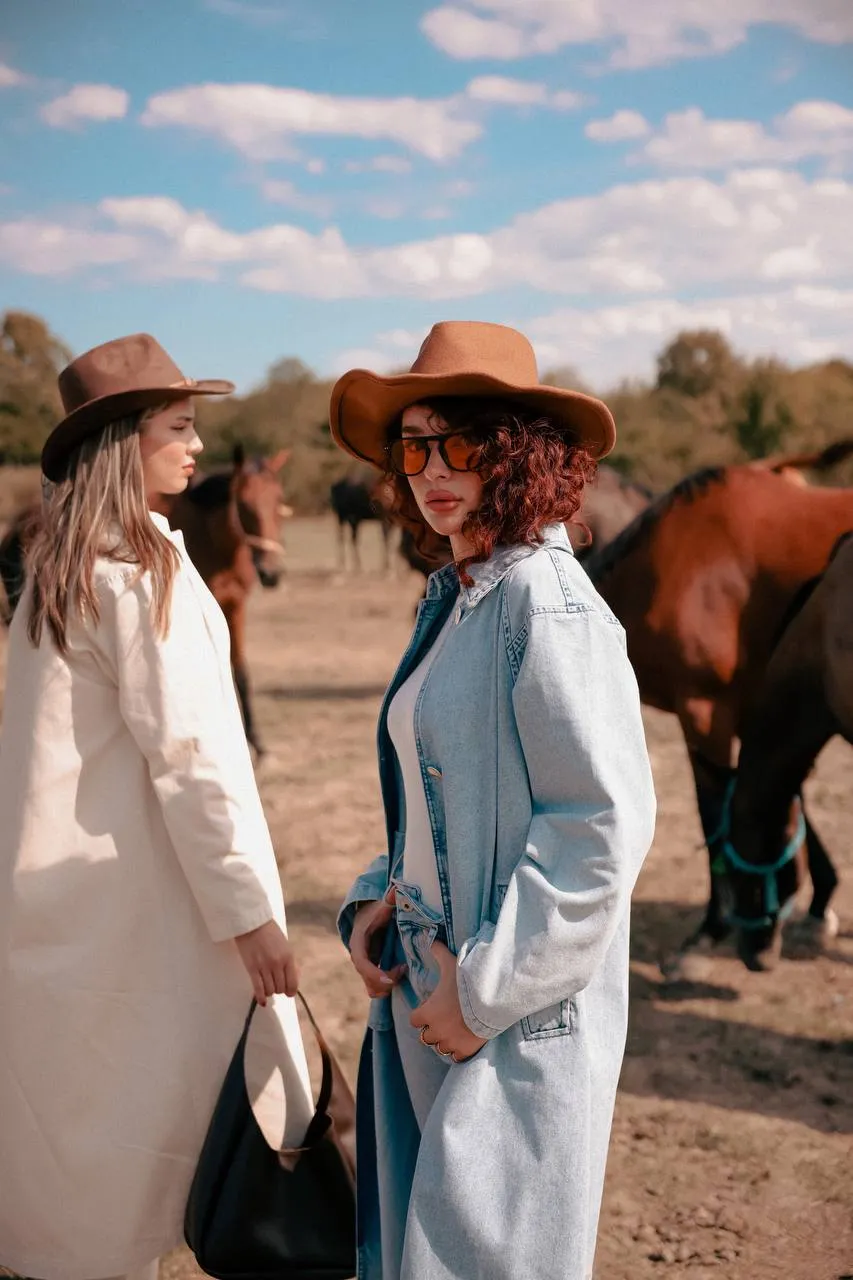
[(731, 859)]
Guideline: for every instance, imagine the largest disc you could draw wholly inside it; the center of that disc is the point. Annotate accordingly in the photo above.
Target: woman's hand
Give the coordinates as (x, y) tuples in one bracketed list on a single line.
[(371, 921), (270, 961), (440, 1016)]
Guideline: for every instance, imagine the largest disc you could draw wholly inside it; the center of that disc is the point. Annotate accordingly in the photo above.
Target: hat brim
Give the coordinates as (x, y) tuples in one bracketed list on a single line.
[(95, 414), (364, 405)]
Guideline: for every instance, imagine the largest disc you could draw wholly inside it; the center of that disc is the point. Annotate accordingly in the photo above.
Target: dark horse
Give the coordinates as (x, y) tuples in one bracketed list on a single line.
[(701, 581), (231, 522), (806, 698), (357, 497)]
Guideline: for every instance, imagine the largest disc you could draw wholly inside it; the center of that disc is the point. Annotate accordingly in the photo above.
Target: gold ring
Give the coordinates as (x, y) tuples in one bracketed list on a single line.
[(424, 1028), (443, 1053)]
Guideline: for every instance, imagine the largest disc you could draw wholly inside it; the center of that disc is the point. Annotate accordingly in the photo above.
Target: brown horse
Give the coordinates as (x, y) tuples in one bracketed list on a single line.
[(806, 698), (231, 524), (702, 580)]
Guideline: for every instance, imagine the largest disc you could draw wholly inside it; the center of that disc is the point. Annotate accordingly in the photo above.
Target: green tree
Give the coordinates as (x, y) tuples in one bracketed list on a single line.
[(30, 360), (762, 420), (697, 362)]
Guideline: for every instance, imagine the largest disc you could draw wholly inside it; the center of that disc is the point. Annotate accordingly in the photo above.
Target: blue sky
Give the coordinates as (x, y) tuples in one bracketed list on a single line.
[(250, 180)]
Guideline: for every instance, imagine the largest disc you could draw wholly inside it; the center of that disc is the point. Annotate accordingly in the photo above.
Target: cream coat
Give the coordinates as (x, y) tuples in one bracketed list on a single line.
[(133, 849)]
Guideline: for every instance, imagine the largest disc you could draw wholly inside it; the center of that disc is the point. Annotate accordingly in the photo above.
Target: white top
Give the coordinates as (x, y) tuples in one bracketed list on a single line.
[(419, 864)]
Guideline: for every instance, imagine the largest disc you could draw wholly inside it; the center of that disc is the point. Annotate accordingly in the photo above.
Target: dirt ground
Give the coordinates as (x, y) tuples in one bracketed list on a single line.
[(732, 1150)]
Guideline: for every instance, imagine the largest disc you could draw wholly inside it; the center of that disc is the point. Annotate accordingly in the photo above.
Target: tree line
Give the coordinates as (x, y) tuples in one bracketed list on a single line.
[(707, 405)]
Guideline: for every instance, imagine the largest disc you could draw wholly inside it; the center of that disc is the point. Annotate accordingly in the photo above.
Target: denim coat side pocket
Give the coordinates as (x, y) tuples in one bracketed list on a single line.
[(557, 1020)]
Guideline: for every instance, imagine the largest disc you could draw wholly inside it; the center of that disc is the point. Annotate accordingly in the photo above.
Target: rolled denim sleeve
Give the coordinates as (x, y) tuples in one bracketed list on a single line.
[(369, 887), (577, 711)]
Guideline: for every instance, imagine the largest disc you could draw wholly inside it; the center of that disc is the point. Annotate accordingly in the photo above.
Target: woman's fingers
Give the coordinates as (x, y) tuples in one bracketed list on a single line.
[(291, 977), (378, 982)]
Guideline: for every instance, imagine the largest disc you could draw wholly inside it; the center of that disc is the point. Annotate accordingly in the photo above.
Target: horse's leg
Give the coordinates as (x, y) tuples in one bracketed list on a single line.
[(711, 778), (812, 932), (386, 546), (708, 728), (235, 616), (356, 558), (342, 547)]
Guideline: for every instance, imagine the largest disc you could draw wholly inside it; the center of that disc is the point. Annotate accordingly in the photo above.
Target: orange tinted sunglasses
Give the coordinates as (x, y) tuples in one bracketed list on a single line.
[(409, 455)]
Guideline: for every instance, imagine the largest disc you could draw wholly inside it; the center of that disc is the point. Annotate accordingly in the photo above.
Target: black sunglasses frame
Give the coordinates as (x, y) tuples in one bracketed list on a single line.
[(438, 439)]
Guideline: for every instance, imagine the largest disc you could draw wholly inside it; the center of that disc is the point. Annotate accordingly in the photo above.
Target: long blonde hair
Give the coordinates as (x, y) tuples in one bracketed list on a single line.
[(99, 509)]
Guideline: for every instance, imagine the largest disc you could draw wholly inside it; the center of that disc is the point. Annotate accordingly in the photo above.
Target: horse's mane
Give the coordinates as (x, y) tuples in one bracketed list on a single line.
[(600, 563), (211, 492)]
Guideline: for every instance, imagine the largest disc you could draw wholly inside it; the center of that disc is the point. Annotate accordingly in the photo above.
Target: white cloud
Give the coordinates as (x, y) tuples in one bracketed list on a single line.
[(315, 165), (800, 324), (86, 102), (463, 35), (568, 100), (619, 127), (501, 89), (10, 78), (504, 91), (262, 120), (379, 164), (282, 191), (637, 35), (753, 230), (188, 244), (43, 248), (373, 358), (689, 140)]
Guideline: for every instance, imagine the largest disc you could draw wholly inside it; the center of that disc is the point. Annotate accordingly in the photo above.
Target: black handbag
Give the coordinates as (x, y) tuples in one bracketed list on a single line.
[(255, 1213)]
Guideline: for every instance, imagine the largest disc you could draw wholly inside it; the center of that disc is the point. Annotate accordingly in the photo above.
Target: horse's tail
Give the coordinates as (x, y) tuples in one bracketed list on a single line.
[(822, 460)]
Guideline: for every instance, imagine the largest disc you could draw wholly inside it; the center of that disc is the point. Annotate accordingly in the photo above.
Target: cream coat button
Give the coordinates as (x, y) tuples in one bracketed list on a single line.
[(433, 772)]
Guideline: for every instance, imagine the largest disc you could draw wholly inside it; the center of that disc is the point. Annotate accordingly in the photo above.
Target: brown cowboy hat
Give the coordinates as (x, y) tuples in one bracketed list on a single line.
[(111, 381), (460, 358)]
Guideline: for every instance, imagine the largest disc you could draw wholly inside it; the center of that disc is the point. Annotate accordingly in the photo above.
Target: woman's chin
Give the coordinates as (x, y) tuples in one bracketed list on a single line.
[(444, 525)]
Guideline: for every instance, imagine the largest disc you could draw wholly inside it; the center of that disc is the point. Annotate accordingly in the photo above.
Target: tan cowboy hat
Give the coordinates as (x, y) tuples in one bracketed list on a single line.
[(111, 381), (460, 358)]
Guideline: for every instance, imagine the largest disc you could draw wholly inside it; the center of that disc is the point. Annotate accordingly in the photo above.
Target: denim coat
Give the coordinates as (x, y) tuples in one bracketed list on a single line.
[(540, 797)]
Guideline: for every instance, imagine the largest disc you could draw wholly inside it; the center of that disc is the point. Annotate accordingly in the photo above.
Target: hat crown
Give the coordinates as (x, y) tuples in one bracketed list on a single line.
[(125, 364), (477, 347)]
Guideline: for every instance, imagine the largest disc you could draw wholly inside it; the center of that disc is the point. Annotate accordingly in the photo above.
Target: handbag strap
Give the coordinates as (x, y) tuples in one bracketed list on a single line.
[(329, 1065)]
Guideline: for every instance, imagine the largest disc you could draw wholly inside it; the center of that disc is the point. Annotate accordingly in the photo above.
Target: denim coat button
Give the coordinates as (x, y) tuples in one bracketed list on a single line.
[(433, 772)]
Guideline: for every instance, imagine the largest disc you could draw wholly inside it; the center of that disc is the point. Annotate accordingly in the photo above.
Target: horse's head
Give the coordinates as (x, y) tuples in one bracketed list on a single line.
[(256, 489), (765, 870)]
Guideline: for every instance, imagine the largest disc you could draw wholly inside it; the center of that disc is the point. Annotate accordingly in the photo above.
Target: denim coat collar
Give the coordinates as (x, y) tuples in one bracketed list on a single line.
[(488, 573)]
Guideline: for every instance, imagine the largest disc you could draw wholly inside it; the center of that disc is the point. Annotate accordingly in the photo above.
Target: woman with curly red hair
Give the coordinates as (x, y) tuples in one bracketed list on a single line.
[(492, 935)]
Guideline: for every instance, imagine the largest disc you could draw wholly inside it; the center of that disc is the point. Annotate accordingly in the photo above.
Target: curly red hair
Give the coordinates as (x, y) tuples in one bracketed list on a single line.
[(534, 474)]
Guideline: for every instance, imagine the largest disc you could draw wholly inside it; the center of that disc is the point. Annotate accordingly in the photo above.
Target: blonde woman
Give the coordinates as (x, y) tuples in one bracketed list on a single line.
[(140, 902)]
